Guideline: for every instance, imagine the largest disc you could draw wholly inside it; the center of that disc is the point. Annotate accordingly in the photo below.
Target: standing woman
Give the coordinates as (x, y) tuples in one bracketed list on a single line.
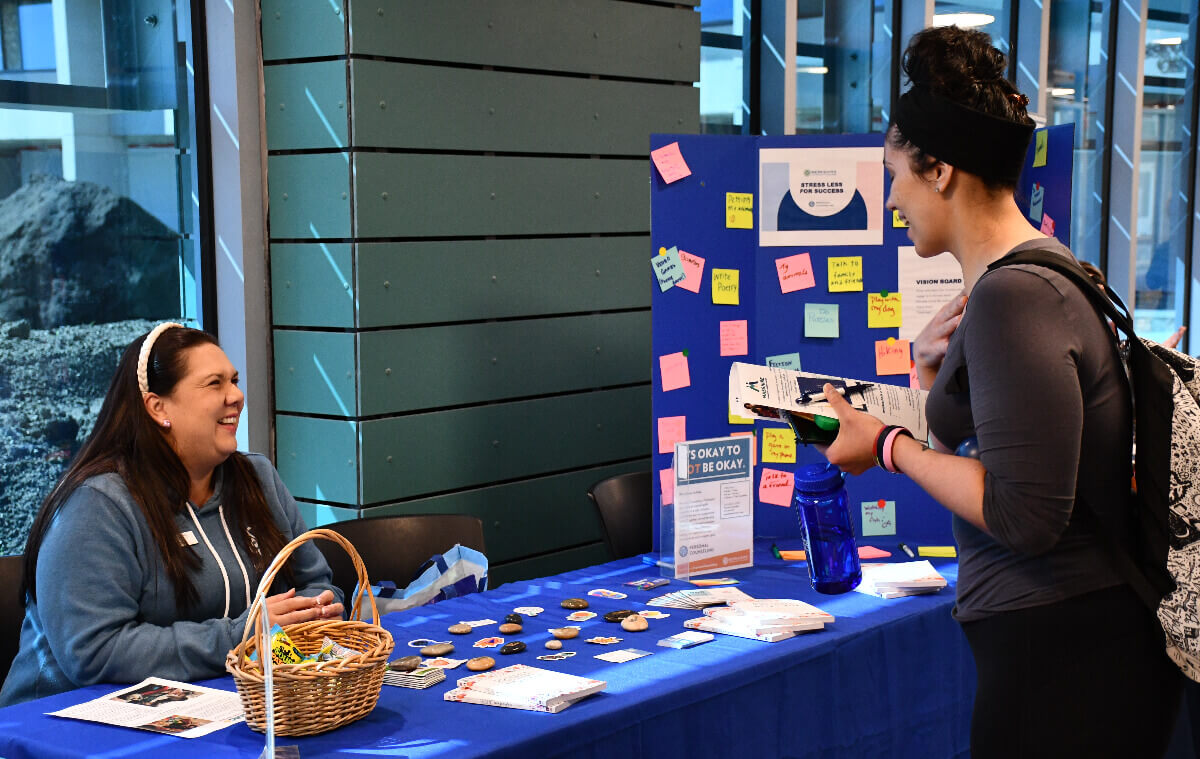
[(1070, 662), (145, 557)]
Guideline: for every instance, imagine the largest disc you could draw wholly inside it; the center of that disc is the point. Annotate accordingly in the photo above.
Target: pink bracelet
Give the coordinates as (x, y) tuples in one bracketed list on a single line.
[(888, 442)]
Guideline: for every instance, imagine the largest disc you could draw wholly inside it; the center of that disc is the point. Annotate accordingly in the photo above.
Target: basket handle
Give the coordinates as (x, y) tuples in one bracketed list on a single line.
[(360, 569)]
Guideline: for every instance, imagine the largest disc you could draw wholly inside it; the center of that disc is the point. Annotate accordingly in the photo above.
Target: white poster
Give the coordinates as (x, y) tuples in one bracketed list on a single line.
[(820, 196), (714, 505), (925, 285)]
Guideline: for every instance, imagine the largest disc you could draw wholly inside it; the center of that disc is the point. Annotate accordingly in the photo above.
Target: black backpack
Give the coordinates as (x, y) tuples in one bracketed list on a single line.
[(1156, 542)]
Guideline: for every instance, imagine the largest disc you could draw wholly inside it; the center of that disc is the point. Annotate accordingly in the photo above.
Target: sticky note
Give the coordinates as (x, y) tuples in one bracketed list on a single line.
[(775, 487), (914, 381), (845, 274), (1041, 147), (820, 320), (896, 220), (779, 446), (1047, 225), (871, 552), (795, 273), (668, 268), (937, 552), (792, 555), (878, 518), (739, 420), (670, 164), (785, 361), (734, 339), (671, 430), (739, 210), (693, 271), (1036, 198), (883, 310), (674, 370), (725, 287), (666, 482), (753, 445), (892, 357)]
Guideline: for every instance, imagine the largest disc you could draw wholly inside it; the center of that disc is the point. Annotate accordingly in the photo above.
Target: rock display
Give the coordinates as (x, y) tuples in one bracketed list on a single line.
[(481, 663), (634, 623)]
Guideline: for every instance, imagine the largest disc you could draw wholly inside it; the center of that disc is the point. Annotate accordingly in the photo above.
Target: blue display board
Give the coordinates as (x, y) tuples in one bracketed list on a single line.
[(689, 215)]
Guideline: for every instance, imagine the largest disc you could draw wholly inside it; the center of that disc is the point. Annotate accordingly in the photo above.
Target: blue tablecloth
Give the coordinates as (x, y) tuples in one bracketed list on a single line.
[(888, 679)]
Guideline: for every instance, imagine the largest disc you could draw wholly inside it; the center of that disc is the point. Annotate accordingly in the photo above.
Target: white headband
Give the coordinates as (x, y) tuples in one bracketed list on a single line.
[(144, 355)]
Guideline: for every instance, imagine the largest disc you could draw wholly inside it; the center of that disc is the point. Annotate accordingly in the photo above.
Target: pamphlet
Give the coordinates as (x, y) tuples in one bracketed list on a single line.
[(714, 506), (909, 578), (163, 706), (523, 687)]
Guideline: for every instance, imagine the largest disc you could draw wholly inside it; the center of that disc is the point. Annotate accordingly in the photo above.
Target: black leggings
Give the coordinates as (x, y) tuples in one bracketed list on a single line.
[(1084, 677)]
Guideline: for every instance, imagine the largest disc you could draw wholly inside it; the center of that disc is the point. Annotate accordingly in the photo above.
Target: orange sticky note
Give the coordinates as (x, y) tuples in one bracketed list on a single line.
[(795, 273), (693, 271), (671, 430), (674, 370), (775, 487), (670, 164), (734, 340), (779, 446), (666, 481), (753, 445), (892, 357), (792, 555)]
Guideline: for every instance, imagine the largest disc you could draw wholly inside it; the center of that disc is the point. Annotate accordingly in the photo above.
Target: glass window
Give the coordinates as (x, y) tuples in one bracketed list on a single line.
[(843, 66), (98, 220), (722, 106)]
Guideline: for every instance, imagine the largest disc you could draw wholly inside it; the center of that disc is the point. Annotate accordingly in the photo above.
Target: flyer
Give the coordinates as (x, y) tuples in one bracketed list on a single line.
[(714, 506), (820, 196), (927, 284), (162, 706)]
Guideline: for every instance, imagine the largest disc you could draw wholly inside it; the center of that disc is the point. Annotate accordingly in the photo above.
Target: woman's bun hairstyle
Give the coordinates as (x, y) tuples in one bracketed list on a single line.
[(961, 65)]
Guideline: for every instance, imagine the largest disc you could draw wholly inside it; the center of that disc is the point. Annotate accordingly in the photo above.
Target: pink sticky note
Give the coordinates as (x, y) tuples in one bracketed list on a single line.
[(869, 552), (1047, 225), (674, 370), (671, 430), (795, 273), (693, 271), (913, 380), (892, 357), (666, 481), (670, 164), (775, 487), (734, 341)]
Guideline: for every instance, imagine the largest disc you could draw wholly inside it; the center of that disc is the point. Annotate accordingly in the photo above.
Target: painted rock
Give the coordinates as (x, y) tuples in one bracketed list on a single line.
[(480, 663), (438, 649), (404, 664), (565, 633), (574, 603), (634, 623), (514, 647), (459, 629), (515, 619), (617, 616), (508, 628), (554, 645)]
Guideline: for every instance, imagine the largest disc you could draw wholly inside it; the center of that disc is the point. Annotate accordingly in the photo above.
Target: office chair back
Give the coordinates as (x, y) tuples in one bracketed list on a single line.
[(625, 507), (12, 610), (394, 547)]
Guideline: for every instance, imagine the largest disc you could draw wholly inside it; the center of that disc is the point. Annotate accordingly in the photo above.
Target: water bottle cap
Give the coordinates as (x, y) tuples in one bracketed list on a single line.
[(818, 478)]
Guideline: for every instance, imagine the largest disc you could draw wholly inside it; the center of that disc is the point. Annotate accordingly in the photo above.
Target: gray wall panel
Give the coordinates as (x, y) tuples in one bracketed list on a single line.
[(315, 372), (312, 284), (302, 28), (318, 458), (309, 101), (309, 195)]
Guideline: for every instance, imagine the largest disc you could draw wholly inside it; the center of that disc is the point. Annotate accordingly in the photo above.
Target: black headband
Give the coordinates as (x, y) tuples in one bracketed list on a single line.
[(987, 146)]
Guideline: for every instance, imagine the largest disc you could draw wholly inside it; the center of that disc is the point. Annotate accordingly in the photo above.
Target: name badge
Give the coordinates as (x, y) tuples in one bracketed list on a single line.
[(188, 537)]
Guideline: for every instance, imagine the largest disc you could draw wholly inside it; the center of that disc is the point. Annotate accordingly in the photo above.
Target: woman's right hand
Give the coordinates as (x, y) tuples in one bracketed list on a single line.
[(929, 349), (287, 608)]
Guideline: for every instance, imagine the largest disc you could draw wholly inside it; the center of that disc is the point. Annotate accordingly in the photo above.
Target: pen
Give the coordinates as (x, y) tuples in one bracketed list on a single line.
[(904, 547)]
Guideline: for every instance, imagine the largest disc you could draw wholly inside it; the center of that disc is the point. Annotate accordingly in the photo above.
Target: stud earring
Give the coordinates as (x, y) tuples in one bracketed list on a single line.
[(937, 189), (166, 422)]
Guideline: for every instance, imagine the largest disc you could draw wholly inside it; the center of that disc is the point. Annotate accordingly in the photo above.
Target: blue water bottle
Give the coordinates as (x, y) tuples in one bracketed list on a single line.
[(824, 515)]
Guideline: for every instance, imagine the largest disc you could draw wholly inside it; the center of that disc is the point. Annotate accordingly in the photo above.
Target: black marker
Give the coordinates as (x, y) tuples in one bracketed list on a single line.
[(904, 547)]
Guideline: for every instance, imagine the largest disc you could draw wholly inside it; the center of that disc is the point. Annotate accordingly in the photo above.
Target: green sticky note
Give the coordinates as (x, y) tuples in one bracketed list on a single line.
[(1040, 148), (821, 320), (785, 361), (878, 518)]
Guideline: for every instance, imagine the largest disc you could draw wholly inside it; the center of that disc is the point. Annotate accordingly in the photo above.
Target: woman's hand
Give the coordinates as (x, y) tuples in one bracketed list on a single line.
[(287, 608), (929, 349), (854, 449)]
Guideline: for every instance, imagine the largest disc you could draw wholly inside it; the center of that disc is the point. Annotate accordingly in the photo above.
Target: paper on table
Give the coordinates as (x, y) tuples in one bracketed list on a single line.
[(693, 269), (725, 287), (927, 285), (734, 338), (669, 162), (892, 356), (821, 320), (784, 361), (878, 517), (845, 274), (795, 273), (779, 446), (671, 430), (883, 310), (739, 210), (666, 481), (775, 487), (674, 370), (162, 706)]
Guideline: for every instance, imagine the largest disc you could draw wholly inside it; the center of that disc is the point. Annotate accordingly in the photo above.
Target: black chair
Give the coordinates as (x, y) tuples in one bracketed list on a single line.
[(394, 547), (12, 610), (626, 512)]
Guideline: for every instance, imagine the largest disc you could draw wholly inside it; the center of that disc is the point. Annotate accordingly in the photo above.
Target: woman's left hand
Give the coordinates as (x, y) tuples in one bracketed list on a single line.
[(854, 449), (288, 608)]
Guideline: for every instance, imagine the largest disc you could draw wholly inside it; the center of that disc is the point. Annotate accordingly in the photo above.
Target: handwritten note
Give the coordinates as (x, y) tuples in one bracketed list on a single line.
[(883, 310), (668, 268), (845, 274), (775, 487), (821, 320), (914, 381), (785, 361), (891, 357), (1047, 225), (1036, 199), (753, 445), (671, 430), (666, 484), (693, 270), (1041, 148), (779, 446), (795, 273), (674, 370), (734, 339), (670, 164), (739, 210), (897, 221), (725, 287), (878, 518)]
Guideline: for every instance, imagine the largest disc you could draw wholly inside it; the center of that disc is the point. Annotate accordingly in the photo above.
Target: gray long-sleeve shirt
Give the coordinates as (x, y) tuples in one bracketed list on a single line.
[(1032, 373)]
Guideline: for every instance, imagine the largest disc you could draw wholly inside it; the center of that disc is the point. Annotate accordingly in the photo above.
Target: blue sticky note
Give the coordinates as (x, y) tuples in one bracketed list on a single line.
[(878, 518), (785, 361), (1035, 202), (821, 320), (668, 267)]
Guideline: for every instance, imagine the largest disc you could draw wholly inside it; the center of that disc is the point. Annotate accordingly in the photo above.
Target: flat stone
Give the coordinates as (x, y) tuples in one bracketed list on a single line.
[(480, 663), (438, 649), (617, 616), (513, 647), (515, 619), (565, 633), (634, 623), (404, 664), (459, 629), (574, 603), (554, 645), (508, 628)]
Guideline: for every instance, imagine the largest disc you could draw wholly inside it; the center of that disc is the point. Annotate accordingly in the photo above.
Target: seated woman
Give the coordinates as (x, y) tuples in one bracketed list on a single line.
[(145, 557)]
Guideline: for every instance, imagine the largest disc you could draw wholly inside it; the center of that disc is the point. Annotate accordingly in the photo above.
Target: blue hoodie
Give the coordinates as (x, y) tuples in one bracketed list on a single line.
[(106, 610)]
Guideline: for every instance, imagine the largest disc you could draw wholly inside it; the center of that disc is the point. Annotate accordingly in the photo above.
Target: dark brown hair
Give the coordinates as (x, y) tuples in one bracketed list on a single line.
[(126, 441)]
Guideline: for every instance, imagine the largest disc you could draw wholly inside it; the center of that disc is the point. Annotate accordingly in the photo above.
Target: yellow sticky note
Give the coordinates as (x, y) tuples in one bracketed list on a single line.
[(739, 210), (739, 420), (896, 220), (892, 357), (1041, 147), (779, 446), (845, 274), (937, 552), (883, 310), (725, 287)]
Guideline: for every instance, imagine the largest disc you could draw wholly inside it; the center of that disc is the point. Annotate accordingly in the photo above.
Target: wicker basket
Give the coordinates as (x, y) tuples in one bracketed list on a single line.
[(312, 698)]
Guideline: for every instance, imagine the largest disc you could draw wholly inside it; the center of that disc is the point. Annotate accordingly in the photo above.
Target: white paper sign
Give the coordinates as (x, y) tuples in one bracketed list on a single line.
[(714, 505), (925, 284)]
